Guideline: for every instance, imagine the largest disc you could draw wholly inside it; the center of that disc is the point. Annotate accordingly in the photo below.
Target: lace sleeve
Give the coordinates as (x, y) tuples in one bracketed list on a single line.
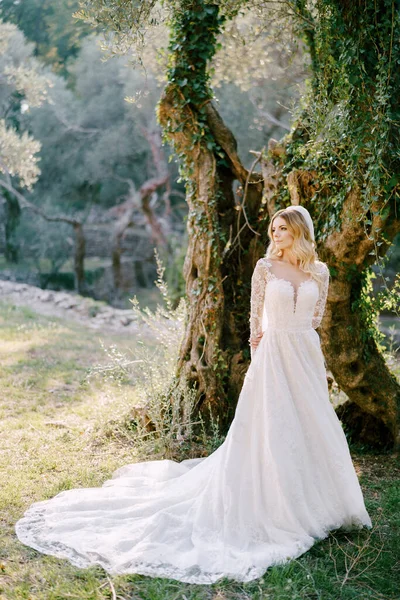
[(258, 283), (323, 293)]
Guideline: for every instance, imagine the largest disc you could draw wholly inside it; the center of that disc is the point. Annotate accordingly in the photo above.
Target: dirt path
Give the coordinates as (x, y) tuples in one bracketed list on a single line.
[(91, 313)]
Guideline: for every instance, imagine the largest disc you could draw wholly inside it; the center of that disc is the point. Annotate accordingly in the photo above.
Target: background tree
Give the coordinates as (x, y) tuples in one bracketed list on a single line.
[(94, 148), (94, 144), (21, 85), (48, 24)]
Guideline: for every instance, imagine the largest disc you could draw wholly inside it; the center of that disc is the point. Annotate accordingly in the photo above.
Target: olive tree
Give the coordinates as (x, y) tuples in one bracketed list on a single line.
[(340, 159), (21, 85)]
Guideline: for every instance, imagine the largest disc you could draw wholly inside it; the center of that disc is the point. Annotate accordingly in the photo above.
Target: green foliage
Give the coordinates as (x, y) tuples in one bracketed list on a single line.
[(370, 304), (347, 130), (40, 239), (91, 138), (18, 155), (50, 25), (194, 30), (368, 307), (123, 22), (22, 84), (191, 55)]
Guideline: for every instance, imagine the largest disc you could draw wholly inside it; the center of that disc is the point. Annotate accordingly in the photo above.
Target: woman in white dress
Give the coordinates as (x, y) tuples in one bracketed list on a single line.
[(282, 479)]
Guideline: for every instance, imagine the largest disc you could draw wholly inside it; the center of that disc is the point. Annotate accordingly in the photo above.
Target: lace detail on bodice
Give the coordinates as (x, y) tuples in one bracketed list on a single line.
[(279, 304)]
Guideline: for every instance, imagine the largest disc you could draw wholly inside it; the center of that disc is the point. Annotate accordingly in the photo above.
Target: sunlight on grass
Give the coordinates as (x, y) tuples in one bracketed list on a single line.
[(16, 347), (57, 433)]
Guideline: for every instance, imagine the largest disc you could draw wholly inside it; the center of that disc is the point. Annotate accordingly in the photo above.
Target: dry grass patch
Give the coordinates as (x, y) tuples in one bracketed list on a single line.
[(55, 434)]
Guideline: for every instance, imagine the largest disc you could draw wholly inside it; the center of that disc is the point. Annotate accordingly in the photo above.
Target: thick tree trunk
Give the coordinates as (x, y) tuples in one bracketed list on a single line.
[(222, 247), (373, 415), (200, 356), (218, 265), (352, 355)]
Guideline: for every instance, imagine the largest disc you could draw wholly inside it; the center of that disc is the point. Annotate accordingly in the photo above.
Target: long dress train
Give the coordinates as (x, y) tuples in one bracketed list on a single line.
[(282, 479)]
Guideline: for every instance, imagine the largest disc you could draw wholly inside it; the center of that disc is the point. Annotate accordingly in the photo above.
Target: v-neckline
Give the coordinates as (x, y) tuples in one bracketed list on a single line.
[(295, 290)]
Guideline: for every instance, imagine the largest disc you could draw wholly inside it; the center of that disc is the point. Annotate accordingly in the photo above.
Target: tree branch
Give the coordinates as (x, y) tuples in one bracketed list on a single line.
[(30, 206), (225, 138), (72, 127)]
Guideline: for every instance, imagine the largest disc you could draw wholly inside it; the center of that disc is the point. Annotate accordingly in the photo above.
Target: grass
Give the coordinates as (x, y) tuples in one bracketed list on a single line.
[(50, 418)]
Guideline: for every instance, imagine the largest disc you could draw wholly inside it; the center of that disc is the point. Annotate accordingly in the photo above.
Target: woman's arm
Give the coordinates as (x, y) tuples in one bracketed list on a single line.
[(258, 284), (323, 294)]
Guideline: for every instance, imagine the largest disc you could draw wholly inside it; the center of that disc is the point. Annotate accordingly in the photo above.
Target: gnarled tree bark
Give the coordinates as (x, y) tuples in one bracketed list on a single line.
[(219, 261), (354, 358)]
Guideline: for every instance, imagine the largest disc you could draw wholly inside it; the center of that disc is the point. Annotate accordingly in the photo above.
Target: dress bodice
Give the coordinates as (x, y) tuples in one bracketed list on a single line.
[(279, 304)]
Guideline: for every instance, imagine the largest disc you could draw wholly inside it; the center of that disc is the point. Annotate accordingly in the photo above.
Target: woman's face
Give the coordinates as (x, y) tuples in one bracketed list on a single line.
[(281, 235)]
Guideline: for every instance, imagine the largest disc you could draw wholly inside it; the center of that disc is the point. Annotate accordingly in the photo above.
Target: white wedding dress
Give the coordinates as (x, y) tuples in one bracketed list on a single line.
[(282, 479)]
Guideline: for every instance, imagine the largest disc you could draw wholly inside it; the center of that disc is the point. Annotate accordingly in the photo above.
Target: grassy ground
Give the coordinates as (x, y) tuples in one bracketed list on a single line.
[(50, 419)]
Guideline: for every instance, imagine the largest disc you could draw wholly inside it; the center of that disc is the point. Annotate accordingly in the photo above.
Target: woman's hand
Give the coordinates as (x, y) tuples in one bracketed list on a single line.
[(254, 341)]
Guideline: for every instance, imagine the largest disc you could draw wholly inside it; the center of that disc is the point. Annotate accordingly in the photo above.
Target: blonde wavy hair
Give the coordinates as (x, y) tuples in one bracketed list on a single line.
[(303, 245)]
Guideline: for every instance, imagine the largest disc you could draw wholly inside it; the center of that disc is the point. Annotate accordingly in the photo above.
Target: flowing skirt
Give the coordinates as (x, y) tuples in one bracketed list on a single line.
[(282, 479)]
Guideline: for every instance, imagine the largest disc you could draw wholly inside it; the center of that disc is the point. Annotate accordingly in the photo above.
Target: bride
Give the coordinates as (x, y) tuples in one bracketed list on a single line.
[(282, 479)]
